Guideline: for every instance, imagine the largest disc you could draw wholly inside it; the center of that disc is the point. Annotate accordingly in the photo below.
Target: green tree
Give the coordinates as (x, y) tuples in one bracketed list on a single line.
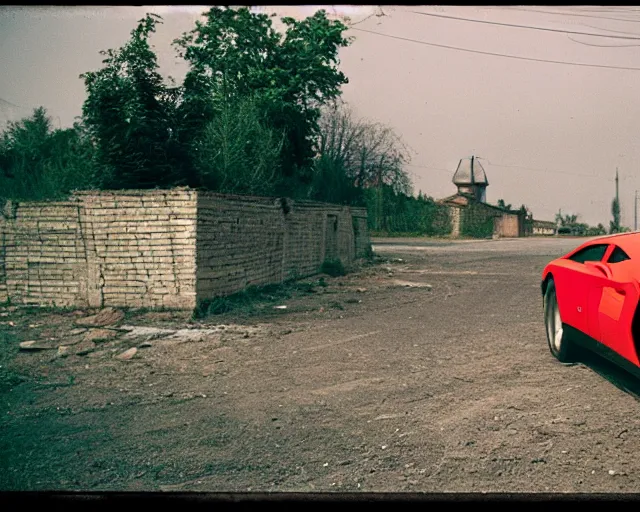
[(569, 224), (597, 230), (237, 153), (332, 184), (503, 205), (614, 224), (38, 162), (566, 220), (235, 53), (402, 214), (130, 114)]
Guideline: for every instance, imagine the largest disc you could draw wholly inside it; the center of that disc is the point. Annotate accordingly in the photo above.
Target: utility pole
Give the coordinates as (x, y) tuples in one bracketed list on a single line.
[(635, 212), (473, 180), (617, 203), (472, 177)]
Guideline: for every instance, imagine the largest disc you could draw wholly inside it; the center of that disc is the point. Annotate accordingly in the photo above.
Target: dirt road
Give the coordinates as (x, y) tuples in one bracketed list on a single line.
[(425, 372)]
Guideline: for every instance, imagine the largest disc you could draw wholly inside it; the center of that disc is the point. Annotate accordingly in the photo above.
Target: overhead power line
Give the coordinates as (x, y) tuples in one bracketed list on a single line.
[(537, 169), (581, 15), (2, 100), (448, 171), (610, 30), (615, 9), (494, 54), (603, 45), (570, 14), (518, 167), (511, 25)]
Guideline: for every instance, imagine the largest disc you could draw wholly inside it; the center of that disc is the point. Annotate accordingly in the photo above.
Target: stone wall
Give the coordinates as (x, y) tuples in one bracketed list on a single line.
[(477, 220), (43, 255), (455, 213), (483, 220), (140, 248), (239, 244), (3, 268), (166, 248), (246, 241)]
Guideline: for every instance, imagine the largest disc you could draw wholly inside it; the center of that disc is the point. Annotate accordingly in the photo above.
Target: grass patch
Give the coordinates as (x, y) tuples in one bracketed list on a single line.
[(256, 300), (71, 380), (10, 379), (333, 268), (8, 350), (369, 254)]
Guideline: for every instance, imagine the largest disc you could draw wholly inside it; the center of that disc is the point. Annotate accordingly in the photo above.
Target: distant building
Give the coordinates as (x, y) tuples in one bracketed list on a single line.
[(471, 179), (471, 215), (543, 227)]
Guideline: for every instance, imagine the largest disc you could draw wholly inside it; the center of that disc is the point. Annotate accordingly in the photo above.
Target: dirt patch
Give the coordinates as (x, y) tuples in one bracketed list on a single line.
[(361, 384), (409, 284)]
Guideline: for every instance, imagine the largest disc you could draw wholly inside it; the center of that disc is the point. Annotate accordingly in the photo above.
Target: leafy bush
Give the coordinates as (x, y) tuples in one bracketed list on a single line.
[(255, 299), (333, 267), (247, 301), (474, 224), (396, 213)]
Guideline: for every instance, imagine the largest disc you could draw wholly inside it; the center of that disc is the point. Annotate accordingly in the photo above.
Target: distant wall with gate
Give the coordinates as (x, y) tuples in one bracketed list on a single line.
[(509, 225), (483, 220), (166, 248)]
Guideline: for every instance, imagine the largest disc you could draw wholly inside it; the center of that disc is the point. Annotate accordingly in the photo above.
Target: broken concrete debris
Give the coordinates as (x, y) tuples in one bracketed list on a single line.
[(106, 316), (127, 354)]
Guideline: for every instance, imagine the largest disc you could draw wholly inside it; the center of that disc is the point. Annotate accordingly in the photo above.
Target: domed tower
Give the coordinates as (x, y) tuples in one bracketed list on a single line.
[(471, 179)]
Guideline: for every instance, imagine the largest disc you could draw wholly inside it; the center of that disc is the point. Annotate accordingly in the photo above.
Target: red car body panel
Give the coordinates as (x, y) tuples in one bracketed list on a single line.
[(600, 298)]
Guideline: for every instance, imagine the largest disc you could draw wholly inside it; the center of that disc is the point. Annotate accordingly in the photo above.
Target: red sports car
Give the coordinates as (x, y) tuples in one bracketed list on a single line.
[(590, 298)]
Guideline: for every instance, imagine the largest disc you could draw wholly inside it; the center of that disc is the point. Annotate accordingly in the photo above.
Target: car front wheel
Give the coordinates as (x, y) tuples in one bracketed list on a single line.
[(559, 344)]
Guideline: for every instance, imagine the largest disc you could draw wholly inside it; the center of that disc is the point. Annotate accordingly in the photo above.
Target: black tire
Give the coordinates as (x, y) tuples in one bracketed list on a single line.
[(559, 343)]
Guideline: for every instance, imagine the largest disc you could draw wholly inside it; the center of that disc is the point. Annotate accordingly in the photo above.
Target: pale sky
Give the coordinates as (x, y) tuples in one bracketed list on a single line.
[(551, 134)]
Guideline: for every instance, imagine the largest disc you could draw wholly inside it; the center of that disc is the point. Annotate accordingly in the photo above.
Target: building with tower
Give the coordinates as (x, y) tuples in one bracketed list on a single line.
[(472, 215)]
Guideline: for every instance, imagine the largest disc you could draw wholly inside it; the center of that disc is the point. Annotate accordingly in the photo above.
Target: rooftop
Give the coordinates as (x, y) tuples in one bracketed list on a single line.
[(470, 172)]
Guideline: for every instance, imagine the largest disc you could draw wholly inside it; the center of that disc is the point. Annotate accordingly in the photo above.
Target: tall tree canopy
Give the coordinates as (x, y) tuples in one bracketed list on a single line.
[(235, 53), (129, 113)]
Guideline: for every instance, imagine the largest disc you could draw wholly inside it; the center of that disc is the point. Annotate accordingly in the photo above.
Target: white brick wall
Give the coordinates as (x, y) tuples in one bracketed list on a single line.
[(158, 248)]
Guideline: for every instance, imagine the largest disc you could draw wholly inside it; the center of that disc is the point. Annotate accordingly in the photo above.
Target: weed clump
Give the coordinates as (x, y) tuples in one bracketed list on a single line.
[(333, 268), (256, 299)]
